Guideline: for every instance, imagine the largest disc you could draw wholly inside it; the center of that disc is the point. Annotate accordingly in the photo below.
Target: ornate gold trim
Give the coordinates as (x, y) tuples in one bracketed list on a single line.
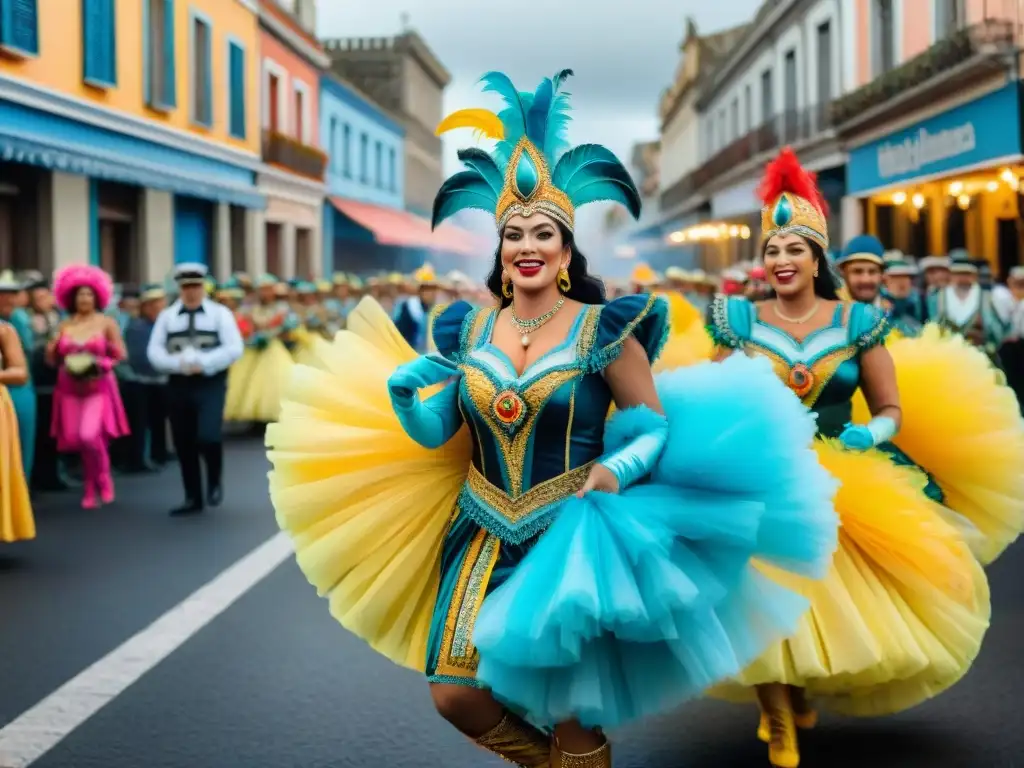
[(520, 507)]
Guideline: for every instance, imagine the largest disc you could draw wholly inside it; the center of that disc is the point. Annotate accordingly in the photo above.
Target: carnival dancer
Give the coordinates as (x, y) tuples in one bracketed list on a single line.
[(255, 390), (412, 314), (16, 520), (87, 408), (903, 610), (47, 473), (904, 305), (966, 308), (22, 395), (195, 341), (310, 323), (466, 550)]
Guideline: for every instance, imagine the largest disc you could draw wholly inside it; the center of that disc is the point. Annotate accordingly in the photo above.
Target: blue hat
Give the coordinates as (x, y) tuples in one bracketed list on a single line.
[(862, 248)]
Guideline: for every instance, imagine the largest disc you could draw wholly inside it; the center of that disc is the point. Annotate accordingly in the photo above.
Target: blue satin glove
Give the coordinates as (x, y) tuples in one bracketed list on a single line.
[(860, 437), (432, 422), (641, 435)]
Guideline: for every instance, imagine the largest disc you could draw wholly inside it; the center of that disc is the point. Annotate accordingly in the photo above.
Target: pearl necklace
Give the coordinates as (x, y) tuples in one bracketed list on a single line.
[(796, 320), (526, 327)]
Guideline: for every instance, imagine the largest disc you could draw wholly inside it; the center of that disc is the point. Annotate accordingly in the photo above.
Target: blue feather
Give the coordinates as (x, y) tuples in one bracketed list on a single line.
[(466, 189), (556, 137), (561, 77), (537, 117), (514, 114), (484, 165), (591, 173)]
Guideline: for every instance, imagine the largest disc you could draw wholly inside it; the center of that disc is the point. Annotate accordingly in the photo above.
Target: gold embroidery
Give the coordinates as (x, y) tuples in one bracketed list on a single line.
[(479, 323), (632, 324), (822, 369), (568, 426), (458, 656), (541, 495)]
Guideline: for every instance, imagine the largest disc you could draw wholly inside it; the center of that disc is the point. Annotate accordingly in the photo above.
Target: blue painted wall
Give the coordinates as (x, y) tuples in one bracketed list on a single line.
[(340, 106), (981, 131), (193, 230)]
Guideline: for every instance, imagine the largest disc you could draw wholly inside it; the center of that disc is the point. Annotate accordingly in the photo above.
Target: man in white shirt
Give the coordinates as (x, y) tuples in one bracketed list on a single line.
[(195, 341)]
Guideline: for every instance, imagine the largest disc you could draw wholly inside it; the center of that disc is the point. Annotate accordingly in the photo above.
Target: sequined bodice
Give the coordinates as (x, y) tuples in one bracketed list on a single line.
[(94, 345), (823, 369), (533, 428)]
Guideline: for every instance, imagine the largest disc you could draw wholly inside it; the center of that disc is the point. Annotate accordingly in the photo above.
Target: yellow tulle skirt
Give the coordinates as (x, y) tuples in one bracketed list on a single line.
[(307, 346), (963, 425), (688, 342), (366, 507), (256, 384), (16, 520), (901, 614)]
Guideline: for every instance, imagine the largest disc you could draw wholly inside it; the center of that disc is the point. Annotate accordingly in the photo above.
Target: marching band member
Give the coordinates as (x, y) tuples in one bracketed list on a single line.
[(966, 308), (413, 313), (195, 341), (860, 264)]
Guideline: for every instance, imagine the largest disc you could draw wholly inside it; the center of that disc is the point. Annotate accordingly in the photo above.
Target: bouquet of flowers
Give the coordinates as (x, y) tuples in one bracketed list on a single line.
[(82, 366)]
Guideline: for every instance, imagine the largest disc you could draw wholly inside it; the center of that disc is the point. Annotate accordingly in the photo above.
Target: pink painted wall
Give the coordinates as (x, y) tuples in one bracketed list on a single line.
[(297, 67), (918, 26)]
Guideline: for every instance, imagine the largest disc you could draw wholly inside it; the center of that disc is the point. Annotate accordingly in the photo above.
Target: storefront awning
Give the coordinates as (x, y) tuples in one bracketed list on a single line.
[(402, 229)]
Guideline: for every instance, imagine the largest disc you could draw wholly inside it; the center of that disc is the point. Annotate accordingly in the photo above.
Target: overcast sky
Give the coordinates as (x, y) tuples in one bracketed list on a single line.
[(622, 58)]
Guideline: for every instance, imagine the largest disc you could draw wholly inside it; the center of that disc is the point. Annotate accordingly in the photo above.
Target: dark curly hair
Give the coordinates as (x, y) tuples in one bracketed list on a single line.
[(826, 284), (585, 287)]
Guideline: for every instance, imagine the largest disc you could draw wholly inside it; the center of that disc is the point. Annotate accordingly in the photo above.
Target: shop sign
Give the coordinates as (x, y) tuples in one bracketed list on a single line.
[(971, 134)]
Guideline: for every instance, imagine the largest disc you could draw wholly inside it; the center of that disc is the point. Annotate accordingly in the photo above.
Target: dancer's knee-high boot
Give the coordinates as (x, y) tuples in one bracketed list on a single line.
[(599, 758), (518, 742)]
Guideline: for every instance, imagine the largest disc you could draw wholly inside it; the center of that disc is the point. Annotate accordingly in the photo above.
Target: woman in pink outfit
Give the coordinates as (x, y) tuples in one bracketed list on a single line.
[(87, 409)]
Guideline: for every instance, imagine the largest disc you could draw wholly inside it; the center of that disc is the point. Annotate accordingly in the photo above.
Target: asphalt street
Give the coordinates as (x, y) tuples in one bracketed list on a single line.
[(275, 682)]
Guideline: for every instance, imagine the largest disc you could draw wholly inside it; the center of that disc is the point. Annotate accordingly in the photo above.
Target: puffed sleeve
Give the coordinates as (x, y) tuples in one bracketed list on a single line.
[(730, 320), (868, 326), (645, 317), (446, 328)]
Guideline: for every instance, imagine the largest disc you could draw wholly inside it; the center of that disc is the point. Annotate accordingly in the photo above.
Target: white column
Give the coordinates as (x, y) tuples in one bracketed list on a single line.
[(221, 267), (287, 251), (156, 234), (255, 243), (852, 213), (71, 219), (316, 251)]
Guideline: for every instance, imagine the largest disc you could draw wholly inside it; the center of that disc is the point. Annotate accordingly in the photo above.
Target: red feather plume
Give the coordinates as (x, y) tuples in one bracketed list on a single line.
[(785, 174)]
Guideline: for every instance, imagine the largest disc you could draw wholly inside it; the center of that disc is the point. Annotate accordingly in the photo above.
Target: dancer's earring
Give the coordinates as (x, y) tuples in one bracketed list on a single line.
[(564, 283), (506, 285)]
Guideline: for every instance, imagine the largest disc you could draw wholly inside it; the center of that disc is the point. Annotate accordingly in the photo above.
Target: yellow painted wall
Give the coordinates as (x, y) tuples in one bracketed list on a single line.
[(59, 64)]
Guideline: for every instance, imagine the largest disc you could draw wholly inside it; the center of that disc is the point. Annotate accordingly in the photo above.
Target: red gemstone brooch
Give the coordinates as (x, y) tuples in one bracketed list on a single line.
[(509, 408), (800, 380)]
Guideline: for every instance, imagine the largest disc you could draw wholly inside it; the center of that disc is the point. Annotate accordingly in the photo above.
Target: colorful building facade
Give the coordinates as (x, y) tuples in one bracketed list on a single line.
[(129, 135), (934, 130), (292, 176)]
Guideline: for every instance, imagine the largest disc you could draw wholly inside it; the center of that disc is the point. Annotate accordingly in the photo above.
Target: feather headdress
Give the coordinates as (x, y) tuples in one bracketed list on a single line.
[(793, 204), (532, 169)]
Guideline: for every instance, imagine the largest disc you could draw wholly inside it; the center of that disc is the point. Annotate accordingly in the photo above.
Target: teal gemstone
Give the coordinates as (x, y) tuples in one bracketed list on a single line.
[(527, 177), (783, 213)]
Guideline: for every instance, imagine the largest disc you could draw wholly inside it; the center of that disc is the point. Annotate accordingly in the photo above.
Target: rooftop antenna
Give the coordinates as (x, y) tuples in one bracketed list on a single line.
[(404, 21)]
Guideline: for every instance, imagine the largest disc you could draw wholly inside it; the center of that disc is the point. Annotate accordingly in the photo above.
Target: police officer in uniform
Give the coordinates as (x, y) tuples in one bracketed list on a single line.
[(195, 341)]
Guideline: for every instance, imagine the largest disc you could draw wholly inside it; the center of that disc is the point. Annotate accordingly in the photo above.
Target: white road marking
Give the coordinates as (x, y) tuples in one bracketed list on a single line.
[(39, 729)]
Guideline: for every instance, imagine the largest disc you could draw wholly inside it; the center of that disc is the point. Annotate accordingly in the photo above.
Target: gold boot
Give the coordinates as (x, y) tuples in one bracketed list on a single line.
[(518, 742), (599, 758), (783, 748), (805, 721)]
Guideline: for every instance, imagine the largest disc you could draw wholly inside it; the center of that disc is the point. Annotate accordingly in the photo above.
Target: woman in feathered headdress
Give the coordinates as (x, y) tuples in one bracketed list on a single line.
[(903, 610), (548, 568)]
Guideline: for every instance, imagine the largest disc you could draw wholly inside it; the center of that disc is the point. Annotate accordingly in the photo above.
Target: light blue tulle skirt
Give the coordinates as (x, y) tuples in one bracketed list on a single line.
[(630, 604)]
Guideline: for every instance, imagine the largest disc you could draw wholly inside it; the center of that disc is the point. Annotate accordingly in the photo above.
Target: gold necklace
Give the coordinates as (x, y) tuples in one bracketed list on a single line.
[(796, 320), (526, 327)]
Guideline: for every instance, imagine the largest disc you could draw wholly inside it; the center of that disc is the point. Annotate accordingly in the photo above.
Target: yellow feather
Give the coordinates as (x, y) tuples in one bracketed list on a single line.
[(482, 121)]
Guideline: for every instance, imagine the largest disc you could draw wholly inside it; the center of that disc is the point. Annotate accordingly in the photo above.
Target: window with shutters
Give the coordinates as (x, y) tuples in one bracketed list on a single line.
[(201, 48), (378, 161), (99, 42), (19, 27), (364, 159), (236, 90), (332, 146), (346, 151), (161, 81)]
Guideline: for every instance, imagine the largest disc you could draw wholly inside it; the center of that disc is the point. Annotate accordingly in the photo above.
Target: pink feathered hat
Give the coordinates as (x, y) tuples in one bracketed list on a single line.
[(69, 279)]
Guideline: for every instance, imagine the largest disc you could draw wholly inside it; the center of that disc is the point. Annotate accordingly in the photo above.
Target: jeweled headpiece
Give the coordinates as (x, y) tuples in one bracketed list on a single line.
[(532, 169), (793, 204)]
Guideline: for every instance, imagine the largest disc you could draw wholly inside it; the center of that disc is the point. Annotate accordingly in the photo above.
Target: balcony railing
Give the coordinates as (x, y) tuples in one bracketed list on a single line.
[(991, 36), (290, 153), (789, 127)]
